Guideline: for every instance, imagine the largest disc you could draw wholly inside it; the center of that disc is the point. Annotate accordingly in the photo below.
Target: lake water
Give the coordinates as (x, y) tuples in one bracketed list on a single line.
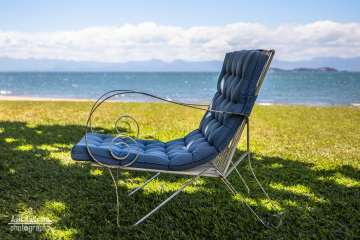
[(321, 89)]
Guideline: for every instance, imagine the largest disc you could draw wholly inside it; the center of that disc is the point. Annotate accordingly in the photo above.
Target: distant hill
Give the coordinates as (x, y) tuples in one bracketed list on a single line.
[(341, 64), (324, 69), (51, 65)]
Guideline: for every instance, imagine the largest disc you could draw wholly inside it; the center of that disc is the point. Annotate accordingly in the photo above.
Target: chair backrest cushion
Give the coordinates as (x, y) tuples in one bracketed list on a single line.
[(236, 86)]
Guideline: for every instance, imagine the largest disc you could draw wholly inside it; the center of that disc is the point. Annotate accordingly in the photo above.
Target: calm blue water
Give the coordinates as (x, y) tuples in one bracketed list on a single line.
[(324, 89)]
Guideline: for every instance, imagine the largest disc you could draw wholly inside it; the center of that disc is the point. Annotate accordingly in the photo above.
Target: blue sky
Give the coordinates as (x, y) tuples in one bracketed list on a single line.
[(118, 31), (39, 16)]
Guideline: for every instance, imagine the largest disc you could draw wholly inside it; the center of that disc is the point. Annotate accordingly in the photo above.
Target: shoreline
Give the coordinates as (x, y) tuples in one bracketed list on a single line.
[(47, 99), (16, 98)]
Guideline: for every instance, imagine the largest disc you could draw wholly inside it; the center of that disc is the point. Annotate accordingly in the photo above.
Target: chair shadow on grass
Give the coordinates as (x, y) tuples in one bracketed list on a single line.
[(37, 173)]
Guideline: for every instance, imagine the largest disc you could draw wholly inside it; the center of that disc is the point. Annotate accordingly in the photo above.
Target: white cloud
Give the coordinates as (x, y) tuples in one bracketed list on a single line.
[(146, 41)]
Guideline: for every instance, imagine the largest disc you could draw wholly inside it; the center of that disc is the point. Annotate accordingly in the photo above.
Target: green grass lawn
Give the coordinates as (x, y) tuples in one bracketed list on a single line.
[(307, 158)]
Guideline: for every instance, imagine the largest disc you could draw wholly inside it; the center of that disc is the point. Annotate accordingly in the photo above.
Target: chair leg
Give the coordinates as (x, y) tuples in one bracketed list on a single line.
[(242, 179), (144, 184), (263, 190), (172, 196), (233, 190)]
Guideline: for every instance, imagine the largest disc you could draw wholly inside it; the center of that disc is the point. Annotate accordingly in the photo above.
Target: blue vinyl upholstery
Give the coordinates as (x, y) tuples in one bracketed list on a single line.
[(236, 86)]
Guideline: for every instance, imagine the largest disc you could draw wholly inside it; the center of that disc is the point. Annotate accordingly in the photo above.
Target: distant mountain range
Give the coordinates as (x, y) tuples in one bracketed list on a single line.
[(51, 65)]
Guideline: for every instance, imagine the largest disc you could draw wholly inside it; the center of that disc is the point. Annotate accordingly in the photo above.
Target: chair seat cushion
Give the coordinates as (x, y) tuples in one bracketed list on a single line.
[(178, 154)]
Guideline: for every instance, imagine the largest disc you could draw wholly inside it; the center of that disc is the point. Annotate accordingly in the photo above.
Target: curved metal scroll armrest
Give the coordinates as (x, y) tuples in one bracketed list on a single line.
[(127, 124), (107, 96), (121, 135)]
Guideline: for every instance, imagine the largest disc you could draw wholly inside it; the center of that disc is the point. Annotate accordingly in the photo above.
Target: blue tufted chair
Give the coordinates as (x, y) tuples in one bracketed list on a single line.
[(236, 86), (206, 151)]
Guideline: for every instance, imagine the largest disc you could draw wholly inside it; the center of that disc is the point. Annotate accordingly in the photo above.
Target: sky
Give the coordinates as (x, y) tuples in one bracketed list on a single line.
[(121, 31)]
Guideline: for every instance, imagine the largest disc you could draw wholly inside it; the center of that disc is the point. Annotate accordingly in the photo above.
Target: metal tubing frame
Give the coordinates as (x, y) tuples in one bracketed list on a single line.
[(226, 182), (233, 190), (144, 184), (172, 196), (247, 188), (247, 153)]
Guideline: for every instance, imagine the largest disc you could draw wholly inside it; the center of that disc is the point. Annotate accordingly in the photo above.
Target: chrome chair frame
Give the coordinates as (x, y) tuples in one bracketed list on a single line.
[(218, 167)]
